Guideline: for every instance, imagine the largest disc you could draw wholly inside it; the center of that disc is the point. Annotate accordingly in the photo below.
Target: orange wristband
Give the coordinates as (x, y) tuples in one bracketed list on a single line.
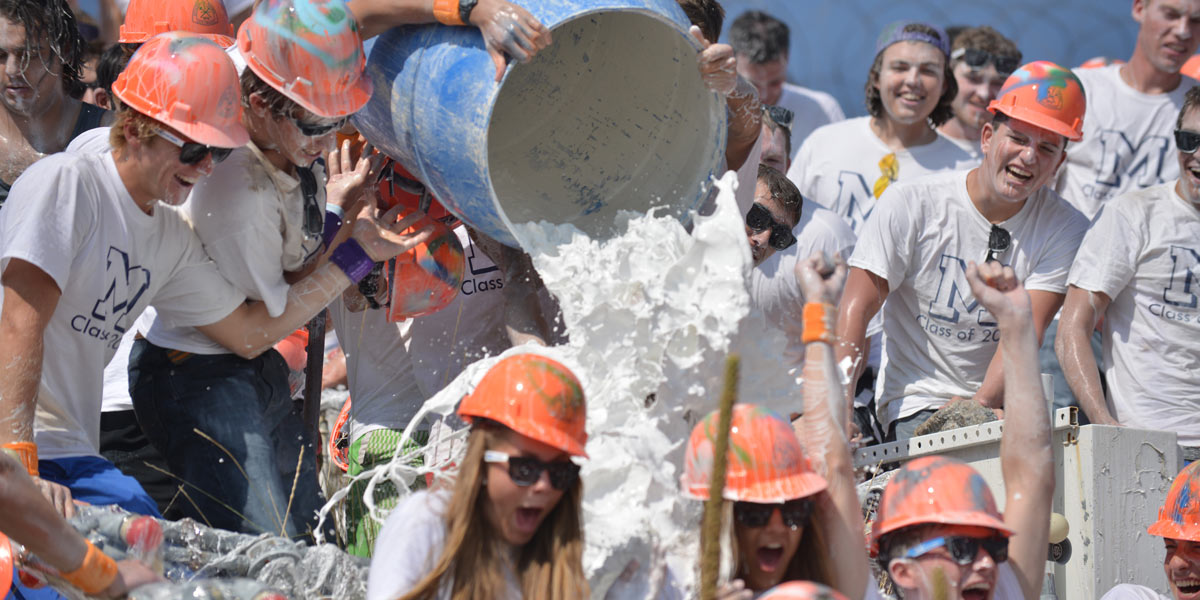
[(446, 12), (26, 452), (818, 322), (95, 574)]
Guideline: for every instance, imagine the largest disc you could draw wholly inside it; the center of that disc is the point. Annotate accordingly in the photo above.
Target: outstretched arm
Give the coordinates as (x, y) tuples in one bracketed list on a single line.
[(718, 68), (822, 428), (507, 28), (1073, 346), (1025, 455)]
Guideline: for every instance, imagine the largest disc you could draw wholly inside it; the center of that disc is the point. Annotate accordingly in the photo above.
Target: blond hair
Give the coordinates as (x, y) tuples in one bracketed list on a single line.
[(550, 565), (144, 128)]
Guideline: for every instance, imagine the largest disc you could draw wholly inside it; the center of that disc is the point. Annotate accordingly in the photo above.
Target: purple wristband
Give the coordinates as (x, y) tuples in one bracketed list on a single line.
[(352, 260), (333, 222)]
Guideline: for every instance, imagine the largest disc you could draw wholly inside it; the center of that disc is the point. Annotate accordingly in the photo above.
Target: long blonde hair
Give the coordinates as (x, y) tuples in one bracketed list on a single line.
[(550, 565)]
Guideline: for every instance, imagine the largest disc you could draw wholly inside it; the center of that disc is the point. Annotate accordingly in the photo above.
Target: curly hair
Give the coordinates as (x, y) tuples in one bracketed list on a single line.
[(942, 112), (51, 22), (760, 37)]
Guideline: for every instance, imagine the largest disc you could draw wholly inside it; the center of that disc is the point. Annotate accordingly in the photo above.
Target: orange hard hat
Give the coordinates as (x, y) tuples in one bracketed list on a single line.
[(1044, 94), (936, 490), (1179, 517), (294, 349), (310, 51), (1191, 68), (534, 396), (186, 82), (801, 590), (1096, 62), (766, 463), (6, 565), (427, 277), (145, 19), (398, 186)]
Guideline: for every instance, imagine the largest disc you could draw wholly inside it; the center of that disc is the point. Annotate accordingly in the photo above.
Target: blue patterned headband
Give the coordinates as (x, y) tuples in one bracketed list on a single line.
[(895, 32)]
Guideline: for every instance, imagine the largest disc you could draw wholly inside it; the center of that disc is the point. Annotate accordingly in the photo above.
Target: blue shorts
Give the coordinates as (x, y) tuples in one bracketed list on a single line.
[(98, 482)]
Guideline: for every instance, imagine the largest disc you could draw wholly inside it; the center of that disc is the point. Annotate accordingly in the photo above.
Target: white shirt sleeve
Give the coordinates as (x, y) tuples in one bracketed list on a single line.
[(1108, 255), (1127, 591), (1052, 267), (196, 293), (408, 546), (885, 244), (51, 186)]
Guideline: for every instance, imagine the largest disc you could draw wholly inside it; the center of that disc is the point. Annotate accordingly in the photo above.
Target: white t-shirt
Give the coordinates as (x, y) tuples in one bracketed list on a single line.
[(972, 148), (116, 374), (71, 216), (392, 368), (250, 216), (838, 166), (410, 545), (1128, 591), (1143, 252), (938, 340), (773, 285), (1128, 140), (810, 109)]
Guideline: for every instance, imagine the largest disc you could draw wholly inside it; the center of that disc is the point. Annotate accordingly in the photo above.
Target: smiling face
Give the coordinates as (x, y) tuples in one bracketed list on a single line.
[(936, 574), (1169, 32), (1018, 159), (1188, 187), (768, 78), (1182, 566), (170, 181), (514, 511), (910, 81), (765, 552), (976, 88), (280, 133), (27, 84)]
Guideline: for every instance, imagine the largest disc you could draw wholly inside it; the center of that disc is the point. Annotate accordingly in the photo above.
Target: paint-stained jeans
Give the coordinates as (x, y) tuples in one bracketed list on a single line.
[(238, 471)]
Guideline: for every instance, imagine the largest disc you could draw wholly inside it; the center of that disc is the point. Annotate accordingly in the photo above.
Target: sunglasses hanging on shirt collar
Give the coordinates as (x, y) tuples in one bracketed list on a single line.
[(998, 242)]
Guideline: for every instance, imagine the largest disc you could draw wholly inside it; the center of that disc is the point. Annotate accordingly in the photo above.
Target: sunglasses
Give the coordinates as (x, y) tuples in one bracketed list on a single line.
[(782, 116), (979, 58), (752, 514), (318, 129), (314, 217), (998, 242), (191, 153), (963, 549), (759, 219), (1187, 141), (525, 471)]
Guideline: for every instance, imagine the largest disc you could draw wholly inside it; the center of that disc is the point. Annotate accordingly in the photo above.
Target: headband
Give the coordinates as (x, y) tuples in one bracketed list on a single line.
[(896, 32)]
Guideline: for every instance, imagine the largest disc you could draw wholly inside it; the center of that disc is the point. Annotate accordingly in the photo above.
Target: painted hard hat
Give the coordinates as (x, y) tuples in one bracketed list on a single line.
[(428, 277), (310, 51), (936, 490), (535, 396), (399, 186), (186, 82), (1096, 62), (801, 590), (145, 19), (1044, 94), (1179, 517), (1191, 68), (765, 461)]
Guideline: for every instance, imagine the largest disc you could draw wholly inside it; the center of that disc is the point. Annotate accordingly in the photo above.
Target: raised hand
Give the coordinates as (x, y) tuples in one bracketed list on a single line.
[(820, 279), (349, 184), (718, 67), (385, 237), (509, 29)]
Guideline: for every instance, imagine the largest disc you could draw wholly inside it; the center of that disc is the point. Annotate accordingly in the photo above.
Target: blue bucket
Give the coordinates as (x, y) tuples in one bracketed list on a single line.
[(611, 116)]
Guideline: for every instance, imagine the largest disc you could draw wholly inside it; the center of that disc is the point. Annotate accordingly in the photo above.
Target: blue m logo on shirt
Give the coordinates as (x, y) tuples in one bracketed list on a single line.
[(1185, 265), (855, 198), (126, 284), (1121, 158), (949, 305)]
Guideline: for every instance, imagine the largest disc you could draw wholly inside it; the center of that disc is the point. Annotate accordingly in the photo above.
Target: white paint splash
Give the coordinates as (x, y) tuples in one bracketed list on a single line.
[(651, 316)]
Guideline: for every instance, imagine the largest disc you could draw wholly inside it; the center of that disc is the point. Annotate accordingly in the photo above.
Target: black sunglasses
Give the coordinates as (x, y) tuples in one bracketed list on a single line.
[(998, 242), (963, 549), (314, 217), (780, 115), (318, 130), (759, 219), (754, 515), (525, 470), (1187, 141), (976, 59), (191, 153)]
